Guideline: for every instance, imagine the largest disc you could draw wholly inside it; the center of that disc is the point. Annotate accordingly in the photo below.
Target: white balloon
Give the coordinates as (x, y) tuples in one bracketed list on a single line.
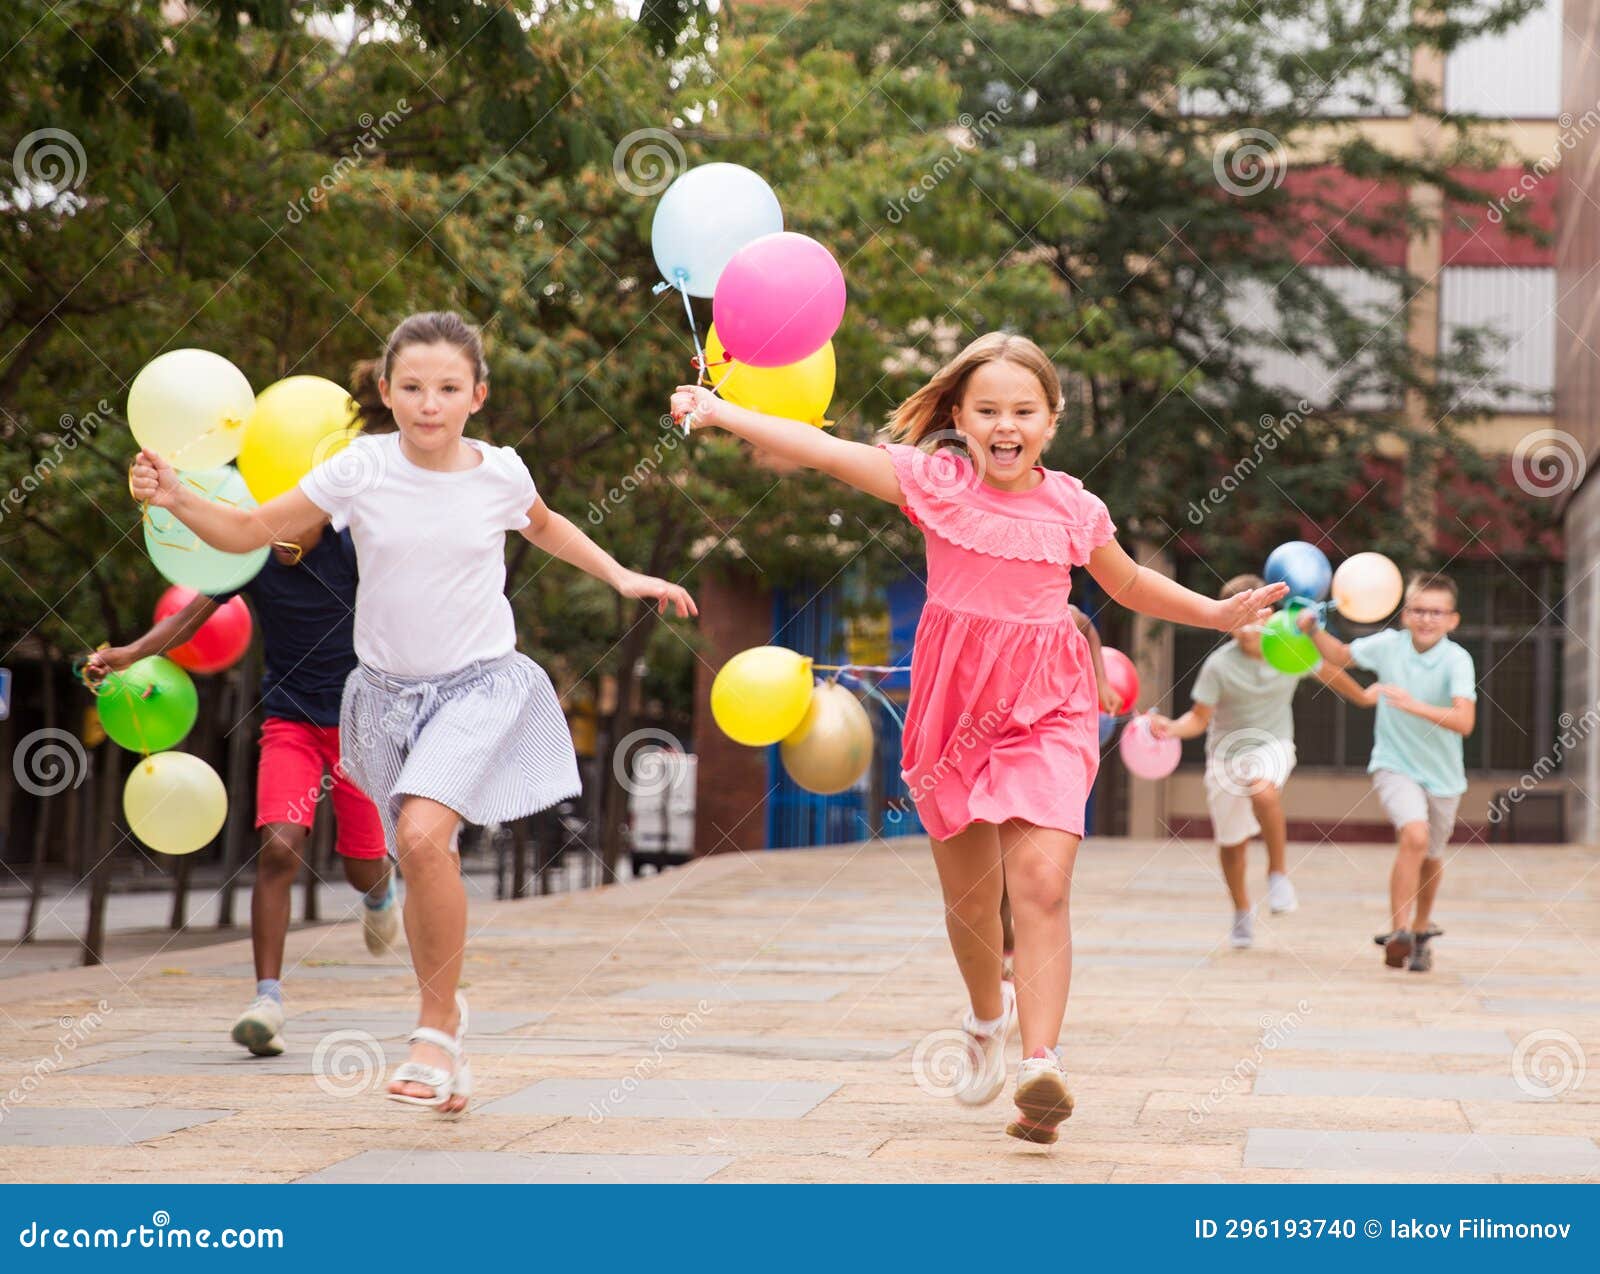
[(706, 216)]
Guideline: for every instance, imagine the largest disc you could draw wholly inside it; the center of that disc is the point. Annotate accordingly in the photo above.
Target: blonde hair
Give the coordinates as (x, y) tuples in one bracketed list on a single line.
[(931, 409), (1433, 581), (1241, 584)]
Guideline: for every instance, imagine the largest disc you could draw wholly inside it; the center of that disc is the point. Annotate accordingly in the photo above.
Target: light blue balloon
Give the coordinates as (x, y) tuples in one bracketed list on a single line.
[(183, 557), (1303, 567), (706, 216)]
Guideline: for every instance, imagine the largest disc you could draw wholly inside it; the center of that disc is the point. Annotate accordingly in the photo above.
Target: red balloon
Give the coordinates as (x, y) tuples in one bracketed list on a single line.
[(220, 641), (1122, 675)]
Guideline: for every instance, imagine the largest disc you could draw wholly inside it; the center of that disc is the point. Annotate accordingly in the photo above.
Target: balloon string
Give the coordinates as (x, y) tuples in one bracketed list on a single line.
[(862, 667)]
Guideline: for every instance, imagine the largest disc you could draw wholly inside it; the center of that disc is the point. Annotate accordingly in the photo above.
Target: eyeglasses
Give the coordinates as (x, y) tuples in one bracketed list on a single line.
[(1427, 612)]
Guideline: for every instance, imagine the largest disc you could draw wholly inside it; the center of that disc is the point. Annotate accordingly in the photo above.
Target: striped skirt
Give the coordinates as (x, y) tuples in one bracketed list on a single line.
[(489, 740)]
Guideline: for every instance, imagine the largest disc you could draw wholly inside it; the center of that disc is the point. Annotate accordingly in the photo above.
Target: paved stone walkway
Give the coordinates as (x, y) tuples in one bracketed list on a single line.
[(759, 1019)]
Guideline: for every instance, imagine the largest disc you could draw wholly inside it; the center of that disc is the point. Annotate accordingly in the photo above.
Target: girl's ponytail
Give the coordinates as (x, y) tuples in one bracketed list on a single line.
[(371, 415)]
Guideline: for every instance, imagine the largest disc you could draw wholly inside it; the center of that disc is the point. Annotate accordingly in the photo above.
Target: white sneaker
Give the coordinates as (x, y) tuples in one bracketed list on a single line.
[(380, 926), (1281, 896), (260, 1027), (1043, 1099), (1244, 930), (985, 1073)]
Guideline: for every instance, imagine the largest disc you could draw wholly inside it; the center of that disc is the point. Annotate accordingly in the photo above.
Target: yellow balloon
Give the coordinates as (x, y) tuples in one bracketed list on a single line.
[(174, 802), (1367, 587), (189, 406), (832, 746), (798, 391), (297, 424), (761, 695)]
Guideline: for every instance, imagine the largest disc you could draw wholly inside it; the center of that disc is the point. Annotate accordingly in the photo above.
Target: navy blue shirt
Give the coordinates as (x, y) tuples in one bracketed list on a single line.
[(307, 615)]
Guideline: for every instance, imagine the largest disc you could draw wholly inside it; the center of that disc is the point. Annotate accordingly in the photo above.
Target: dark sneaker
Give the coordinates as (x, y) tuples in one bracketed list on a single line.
[(1422, 956), (1396, 947)]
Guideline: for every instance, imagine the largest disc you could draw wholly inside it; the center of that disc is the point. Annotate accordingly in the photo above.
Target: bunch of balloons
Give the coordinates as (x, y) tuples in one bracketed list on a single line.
[(776, 297), (197, 410), (1366, 588), (767, 695)]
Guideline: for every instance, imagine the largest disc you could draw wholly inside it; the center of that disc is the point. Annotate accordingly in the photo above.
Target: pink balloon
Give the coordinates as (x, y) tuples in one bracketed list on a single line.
[(1146, 756), (779, 300)]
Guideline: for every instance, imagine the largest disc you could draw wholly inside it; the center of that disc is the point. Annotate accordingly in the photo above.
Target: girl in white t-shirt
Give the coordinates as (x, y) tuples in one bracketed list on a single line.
[(443, 720)]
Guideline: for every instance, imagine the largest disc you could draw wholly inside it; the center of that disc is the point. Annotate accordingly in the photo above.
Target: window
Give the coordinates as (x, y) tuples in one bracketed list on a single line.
[(1513, 75), (1519, 306)]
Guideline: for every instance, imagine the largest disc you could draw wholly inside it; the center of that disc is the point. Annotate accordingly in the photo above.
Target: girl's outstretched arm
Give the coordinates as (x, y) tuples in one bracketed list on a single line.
[(559, 537), (1151, 593), (223, 526), (858, 465)]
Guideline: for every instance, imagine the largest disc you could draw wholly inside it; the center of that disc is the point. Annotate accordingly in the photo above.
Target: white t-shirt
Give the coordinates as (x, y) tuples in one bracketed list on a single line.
[(431, 550)]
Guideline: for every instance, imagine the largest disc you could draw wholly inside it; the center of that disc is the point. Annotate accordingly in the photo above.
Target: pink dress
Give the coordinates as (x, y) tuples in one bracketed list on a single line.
[(1003, 718)]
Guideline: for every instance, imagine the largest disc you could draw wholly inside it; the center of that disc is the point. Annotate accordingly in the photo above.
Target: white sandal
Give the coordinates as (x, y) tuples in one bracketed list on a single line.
[(446, 1084)]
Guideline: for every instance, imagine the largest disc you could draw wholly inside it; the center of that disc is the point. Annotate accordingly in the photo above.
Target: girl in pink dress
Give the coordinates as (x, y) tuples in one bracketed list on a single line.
[(1001, 742)]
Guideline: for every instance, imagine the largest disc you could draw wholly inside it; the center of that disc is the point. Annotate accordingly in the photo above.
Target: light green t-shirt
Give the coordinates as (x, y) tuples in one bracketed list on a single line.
[(1403, 741), (1245, 694)]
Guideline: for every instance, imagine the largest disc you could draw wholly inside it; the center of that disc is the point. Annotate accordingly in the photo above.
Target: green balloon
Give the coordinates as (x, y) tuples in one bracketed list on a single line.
[(148, 707), (1285, 647), (183, 557)]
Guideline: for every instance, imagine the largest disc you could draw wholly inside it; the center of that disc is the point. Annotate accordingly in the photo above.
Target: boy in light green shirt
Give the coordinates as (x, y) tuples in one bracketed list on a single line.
[(1427, 706)]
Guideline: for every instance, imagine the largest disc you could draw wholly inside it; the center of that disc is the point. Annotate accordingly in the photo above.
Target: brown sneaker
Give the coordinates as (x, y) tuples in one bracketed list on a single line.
[(1396, 947), (1043, 1099)]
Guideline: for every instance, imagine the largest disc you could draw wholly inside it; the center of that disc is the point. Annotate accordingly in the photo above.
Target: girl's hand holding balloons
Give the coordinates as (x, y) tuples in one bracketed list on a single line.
[(100, 663), (153, 481), (696, 407), (1251, 607), (632, 584), (1160, 726)]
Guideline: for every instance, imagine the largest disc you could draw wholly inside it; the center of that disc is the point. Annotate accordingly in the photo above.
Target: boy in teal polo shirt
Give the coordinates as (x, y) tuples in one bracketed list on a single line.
[(1427, 705)]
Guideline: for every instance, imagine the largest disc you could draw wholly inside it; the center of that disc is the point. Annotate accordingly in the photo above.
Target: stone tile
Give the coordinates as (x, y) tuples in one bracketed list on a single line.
[(396, 1024), (1401, 1039), (230, 1060), (1457, 1155), (1133, 960), (808, 966), (732, 993), (666, 1099), (490, 1167), (1533, 1006), (549, 1046), (1422, 1085), (819, 1048), (1532, 981), (98, 1126), (401, 973)]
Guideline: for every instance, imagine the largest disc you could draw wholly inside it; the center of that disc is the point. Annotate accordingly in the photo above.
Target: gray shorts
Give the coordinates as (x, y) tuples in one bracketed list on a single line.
[(489, 741), (1407, 801)]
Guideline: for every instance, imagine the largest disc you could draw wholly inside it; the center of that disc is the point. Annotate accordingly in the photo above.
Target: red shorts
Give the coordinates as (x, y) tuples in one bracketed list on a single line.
[(299, 762)]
